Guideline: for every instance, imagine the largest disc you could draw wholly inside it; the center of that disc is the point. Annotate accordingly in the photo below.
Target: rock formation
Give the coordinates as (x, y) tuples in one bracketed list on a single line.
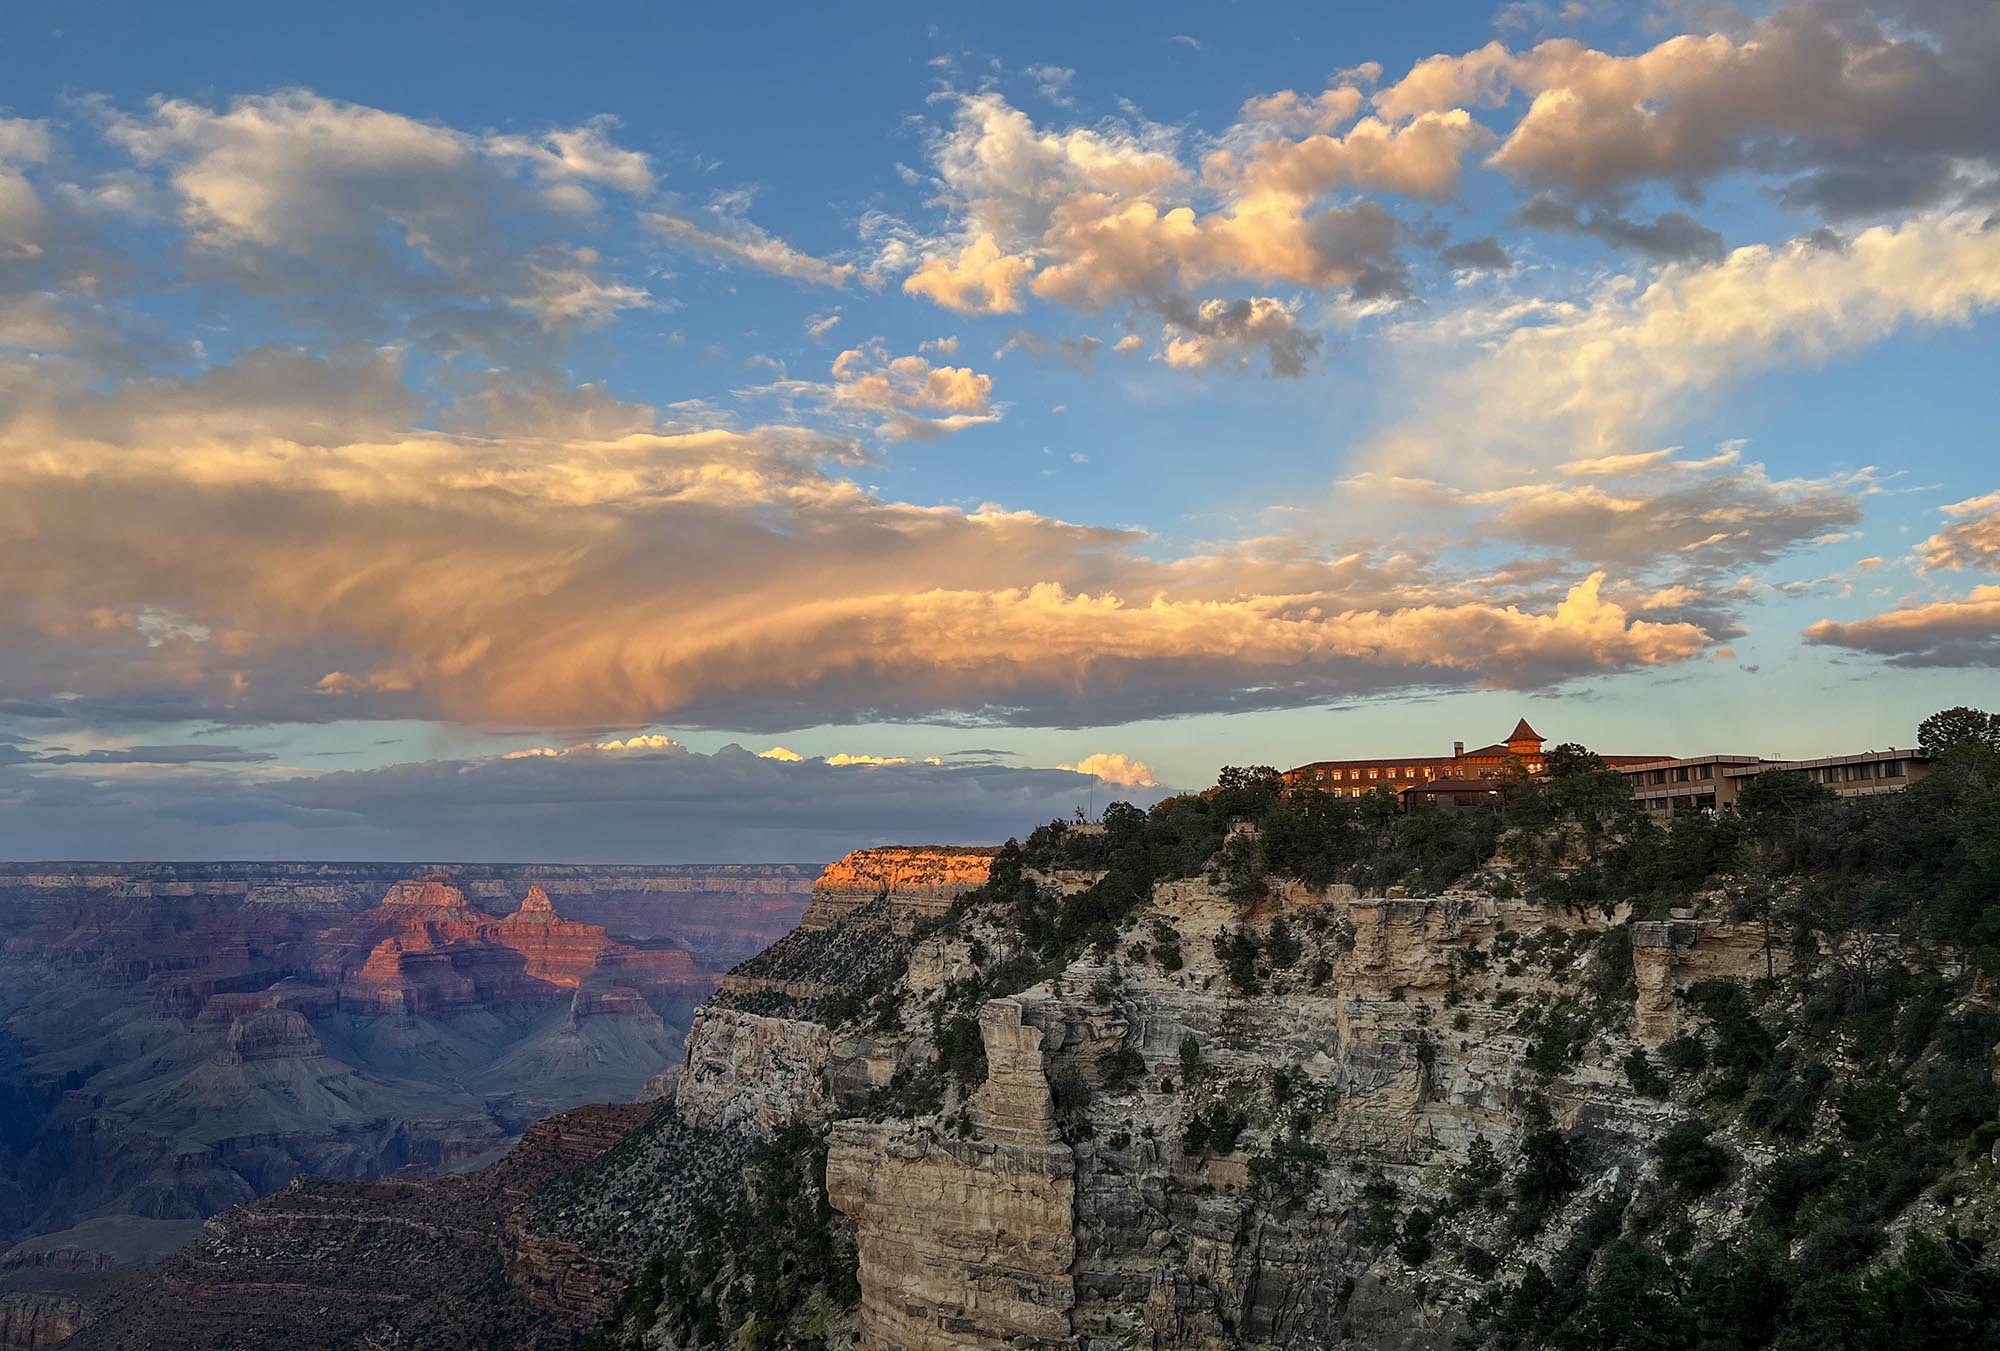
[(917, 881), (329, 1264), (965, 1243), (758, 1074), (31, 1321), (181, 1038)]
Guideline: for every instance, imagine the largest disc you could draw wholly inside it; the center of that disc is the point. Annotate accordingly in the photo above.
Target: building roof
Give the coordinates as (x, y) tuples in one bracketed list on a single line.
[(1523, 732), (1383, 761), (1436, 786)]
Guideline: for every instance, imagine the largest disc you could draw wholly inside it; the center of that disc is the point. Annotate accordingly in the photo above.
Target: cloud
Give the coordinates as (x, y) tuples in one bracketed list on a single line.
[(1079, 354), (670, 804), (977, 279), (1971, 540), (1229, 332), (1483, 254), (1113, 215), (1112, 767), (915, 399), (1866, 106), (271, 542), (580, 155), (730, 238), (1674, 236), (347, 209), (158, 755), (1604, 377), (1938, 633)]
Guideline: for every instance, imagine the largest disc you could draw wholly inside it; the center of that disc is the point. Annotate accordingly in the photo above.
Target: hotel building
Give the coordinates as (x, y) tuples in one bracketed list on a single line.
[(1463, 777), (1715, 782)]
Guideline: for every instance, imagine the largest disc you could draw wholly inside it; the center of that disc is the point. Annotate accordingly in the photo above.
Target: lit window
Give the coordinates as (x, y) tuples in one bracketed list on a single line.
[(1372, 771)]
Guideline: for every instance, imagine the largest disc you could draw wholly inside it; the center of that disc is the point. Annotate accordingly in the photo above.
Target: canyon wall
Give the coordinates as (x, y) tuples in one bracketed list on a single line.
[(180, 1038), (917, 882)]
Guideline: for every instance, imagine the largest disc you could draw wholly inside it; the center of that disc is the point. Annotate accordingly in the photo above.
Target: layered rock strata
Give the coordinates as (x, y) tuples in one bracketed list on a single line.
[(965, 1243), (918, 881)]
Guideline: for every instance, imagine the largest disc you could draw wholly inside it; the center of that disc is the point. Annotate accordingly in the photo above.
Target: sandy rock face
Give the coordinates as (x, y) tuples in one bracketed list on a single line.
[(1073, 1215), (965, 1243), (752, 1073), (919, 881), (30, 1320), (1670, 954)]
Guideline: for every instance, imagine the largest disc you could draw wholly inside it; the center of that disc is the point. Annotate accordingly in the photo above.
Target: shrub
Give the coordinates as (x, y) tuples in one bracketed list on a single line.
[(1473, 1181), (1237, 952), (1289, 1171), (1121, 1069), (1548, 1170), (1646, 1081), (1414, 1247), (1689, 1161), (1685, 1053)]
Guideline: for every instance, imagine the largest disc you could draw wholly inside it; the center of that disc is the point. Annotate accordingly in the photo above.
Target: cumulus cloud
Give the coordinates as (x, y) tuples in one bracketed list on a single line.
[(915, 399), (1867, 106), (1484, 254), (976, 279), (1674, 236), (1972, 539), (1229, 332), (1962, 632), (1113, 767), (335, 204), (1116, 215)]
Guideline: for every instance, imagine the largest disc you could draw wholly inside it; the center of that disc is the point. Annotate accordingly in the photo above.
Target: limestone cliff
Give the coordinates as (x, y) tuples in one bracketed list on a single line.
[(965, 1243), (758, 1074), (918, 882)]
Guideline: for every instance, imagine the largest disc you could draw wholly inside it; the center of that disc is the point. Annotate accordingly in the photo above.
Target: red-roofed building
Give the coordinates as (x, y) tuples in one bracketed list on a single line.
[(1464, 776)]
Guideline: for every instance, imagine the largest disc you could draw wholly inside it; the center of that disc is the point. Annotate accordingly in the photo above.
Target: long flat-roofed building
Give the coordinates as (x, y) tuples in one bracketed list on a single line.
[(1715, 782)]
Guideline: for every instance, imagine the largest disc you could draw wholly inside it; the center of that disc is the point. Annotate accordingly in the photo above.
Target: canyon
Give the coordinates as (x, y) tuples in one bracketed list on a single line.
[(1115, 1089), (179, 1039)]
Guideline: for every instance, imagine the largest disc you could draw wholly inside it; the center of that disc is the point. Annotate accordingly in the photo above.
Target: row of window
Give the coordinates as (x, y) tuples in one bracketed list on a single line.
[(1679, 774), (1410, 774), (1373, 772), (1862, 773)]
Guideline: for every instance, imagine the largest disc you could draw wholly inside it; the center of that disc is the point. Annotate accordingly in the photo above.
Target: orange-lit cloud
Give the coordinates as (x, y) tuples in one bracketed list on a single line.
[(1113, 767), (557, 577), (1937, 633)]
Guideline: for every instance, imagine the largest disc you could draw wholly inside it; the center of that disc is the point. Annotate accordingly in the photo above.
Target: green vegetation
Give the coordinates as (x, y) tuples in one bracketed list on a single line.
[(765, 1267), (1860, 1064)]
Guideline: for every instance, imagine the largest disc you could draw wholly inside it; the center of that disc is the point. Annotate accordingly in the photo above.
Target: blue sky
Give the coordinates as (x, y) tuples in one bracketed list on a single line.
[(397, 391)]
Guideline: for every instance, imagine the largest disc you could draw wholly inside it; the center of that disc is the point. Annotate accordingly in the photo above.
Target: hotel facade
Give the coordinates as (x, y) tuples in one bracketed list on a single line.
[(1663, 784), (1462, 778)]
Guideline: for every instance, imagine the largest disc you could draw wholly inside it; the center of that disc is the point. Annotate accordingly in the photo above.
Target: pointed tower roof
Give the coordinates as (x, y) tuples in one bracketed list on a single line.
[(1523, 732)]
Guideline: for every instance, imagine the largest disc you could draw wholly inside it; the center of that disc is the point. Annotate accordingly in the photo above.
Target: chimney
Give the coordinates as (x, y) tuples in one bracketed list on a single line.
[(1458, 750)]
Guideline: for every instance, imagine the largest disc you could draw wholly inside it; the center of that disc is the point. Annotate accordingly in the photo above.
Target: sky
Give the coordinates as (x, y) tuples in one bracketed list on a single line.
[(662, 433)]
